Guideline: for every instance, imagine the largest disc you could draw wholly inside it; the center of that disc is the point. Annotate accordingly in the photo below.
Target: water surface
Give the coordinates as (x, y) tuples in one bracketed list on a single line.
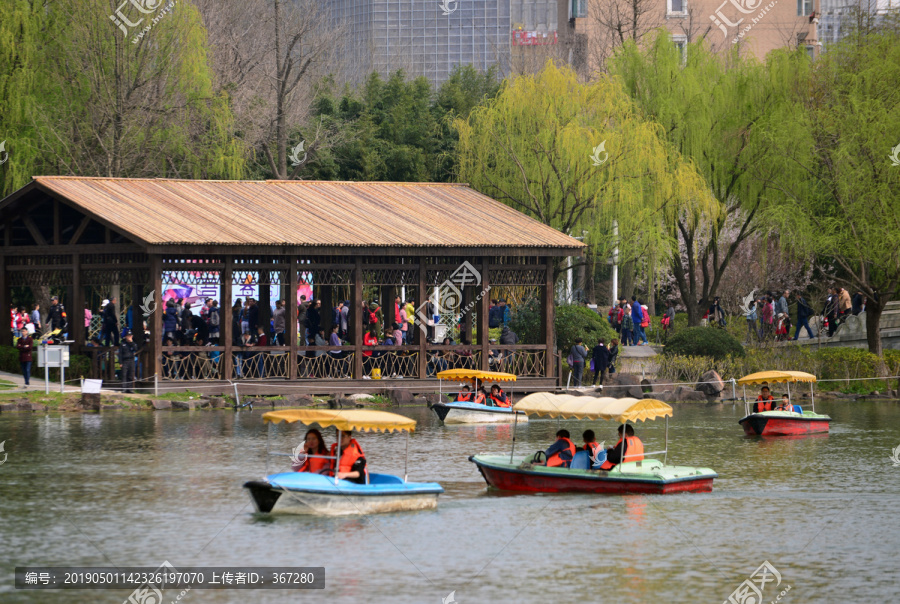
[(137, 488)]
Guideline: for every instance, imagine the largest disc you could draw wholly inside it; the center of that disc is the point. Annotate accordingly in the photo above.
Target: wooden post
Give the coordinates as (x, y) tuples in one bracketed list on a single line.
[(5, 333), (547, 317), (225, 319), (156, 319), (292, 314), (466, 318), (137, 319), (75, 315), (420, 324), (482, 309), (355, 318)]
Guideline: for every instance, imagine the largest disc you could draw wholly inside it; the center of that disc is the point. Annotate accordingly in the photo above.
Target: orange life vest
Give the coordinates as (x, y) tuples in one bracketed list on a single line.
[(351, 453), (500, 400), (463, 397), (555, 460), (767, 404), (591, 448), (314, 464), (479, 398), (634, 451)]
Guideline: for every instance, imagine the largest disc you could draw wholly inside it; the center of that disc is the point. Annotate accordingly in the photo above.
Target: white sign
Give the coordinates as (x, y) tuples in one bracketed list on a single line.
[(91, 386)]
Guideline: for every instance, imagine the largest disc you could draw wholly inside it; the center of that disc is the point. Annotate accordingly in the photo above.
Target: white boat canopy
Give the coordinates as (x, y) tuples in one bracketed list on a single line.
[(566, 406)]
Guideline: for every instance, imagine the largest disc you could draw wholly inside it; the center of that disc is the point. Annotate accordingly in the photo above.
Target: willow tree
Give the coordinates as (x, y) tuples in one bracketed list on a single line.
[(578, 156), (126, 90), (713, 108), (840, 148)]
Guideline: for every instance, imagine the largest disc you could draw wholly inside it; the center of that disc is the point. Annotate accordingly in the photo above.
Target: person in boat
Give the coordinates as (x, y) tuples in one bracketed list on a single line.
[(634, 449), (785, 404), (498, 397), (352, 464), (560, 453), (764, 402), (590, 443), (465, 395), (479, 395), (313, 444)]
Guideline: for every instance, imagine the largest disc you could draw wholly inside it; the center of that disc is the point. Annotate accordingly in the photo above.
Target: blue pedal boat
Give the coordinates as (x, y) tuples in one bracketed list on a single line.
[(468, 412), (307, 493)]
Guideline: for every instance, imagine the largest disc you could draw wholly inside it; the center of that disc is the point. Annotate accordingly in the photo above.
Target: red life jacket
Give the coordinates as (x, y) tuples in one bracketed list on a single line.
[(315, 464), (555, 459), (762, 404), (349, 456)]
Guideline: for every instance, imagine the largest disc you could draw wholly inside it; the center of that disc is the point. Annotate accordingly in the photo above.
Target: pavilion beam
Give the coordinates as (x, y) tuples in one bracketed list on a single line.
[(292, 315), (483, 307), (80, 230), (355, 318), (5, 334), (265, 301), (76, 312), (547, 317), (32, 228), (226, 323), (422, 339), (156, 319), (56, 239)]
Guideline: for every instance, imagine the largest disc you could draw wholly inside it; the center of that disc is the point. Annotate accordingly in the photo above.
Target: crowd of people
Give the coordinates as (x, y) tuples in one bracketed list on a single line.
[(769, 316), (600, 360), (564, 454)]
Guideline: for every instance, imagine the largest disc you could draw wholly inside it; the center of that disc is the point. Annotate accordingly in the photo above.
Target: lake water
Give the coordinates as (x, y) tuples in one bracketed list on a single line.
[(138, 488)]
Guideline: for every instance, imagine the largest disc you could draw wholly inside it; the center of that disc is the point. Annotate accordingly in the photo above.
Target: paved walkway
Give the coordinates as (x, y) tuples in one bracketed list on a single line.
[(36, 384)]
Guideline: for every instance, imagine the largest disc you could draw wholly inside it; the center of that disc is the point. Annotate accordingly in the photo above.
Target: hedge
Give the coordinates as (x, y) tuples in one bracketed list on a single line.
[(703, 341), (79, 365), (570, 322)]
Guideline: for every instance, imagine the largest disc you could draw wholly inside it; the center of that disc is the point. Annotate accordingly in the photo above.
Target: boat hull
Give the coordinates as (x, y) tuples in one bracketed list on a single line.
[(313, 494), (472, 413), (782, 423), (649, 477)]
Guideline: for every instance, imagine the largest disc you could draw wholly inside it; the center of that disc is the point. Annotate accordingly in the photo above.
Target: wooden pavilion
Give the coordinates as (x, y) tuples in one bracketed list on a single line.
[(351, 241)]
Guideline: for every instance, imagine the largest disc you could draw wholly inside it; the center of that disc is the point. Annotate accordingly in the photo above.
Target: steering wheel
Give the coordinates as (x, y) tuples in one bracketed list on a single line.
[(536, 458)]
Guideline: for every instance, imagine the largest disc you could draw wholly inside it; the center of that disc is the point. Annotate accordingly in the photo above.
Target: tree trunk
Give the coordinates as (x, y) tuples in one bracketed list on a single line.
[(627, 275), (873, 325)]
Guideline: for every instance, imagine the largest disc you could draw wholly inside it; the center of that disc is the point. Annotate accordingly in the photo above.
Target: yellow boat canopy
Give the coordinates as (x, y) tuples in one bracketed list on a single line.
[(354, 419), (566, 406), (470, 375), (776, 377)]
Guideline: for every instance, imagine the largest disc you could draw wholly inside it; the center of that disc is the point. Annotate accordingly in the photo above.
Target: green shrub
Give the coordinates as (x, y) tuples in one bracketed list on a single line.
[(79, 365), (703, 341), (570, 322)]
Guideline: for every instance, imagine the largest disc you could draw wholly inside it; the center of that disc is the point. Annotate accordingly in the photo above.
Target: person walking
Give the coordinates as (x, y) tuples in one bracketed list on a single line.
[(830, 310), (637, 317), (25, 344), (600, 357), (804, 312), (627, 325), (613, 355), (645, 323), (36, 318), (128, 352), (110, 323), (578, 356)]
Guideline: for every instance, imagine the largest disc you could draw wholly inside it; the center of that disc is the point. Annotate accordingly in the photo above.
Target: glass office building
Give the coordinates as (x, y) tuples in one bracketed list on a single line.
[(423, 37)]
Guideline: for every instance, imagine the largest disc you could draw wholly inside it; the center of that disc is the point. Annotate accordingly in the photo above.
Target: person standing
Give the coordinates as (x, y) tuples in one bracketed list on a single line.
[(830, 311), (752, 329), (110, 323), (279, 323), (57, 315), (314, 317), (668, 320), (613, 355), (578, 355), (637, 317), (403, 320), (781, 306), (411, 319), (804, 311), (252, 316), (25, 344), (214, 322), (627, 325), (600, 357), (645, 323), (36, 317), (128, 352), (767, 317)]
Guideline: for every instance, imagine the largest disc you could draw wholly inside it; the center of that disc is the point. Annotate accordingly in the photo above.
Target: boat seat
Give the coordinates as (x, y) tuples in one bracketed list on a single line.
[(384, 479), (581, 461), (798, 409)]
